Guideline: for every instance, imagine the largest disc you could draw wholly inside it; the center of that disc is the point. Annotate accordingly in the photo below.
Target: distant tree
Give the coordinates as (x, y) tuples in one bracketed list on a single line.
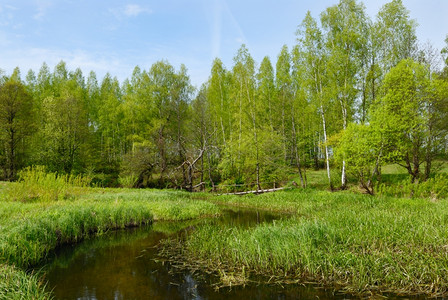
[(346, 39), (312, 50), (16, 124), (362, 148), (204, 145), (156, 114), (396, 34), (63, 133), (221, 110), (410, 116), (444, 53), (289, 96), (244, 145)]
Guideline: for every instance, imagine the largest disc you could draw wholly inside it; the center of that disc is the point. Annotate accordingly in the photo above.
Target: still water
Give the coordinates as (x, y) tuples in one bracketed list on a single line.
[(123, 265)]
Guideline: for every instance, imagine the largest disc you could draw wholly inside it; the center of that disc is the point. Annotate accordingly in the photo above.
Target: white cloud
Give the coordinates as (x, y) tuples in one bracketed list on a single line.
[(129, 11), (6, 15), (41, 7), (133, 10)]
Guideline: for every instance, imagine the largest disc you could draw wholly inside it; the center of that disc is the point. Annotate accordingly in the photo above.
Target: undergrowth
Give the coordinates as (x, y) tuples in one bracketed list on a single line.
[(35, 184)]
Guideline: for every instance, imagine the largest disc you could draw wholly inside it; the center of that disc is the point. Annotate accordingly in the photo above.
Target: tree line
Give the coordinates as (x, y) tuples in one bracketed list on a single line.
[(352, 95)]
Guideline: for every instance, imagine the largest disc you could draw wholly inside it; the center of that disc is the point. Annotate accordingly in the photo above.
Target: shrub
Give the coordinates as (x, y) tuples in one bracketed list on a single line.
[(35, 183)]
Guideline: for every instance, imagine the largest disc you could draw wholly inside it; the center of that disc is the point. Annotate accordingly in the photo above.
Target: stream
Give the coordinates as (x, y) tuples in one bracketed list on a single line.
[(123, 265)]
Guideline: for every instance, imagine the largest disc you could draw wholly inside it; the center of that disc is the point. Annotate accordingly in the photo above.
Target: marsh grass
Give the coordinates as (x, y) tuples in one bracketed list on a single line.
[(15, 284), (31, 230), (361, 244)]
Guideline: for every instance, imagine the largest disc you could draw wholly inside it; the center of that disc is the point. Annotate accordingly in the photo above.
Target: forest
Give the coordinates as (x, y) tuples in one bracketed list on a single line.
[(352, 95)]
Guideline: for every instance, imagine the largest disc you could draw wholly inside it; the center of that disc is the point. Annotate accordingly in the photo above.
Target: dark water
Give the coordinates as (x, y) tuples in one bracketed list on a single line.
[(122, 265)]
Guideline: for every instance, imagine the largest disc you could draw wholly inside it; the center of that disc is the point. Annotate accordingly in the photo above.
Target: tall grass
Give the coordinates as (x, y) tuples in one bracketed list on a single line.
[(31, 230), (359, 243), (35, 184), (15, 284), (433, 188)]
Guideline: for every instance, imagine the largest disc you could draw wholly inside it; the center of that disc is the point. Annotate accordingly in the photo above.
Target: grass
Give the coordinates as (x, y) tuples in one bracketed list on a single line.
[(30, 230), (354, 242), (35, 184), (15, 284), (360, 244)]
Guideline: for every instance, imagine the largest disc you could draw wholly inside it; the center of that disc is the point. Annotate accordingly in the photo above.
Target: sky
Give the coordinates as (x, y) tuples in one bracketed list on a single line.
[(116, 35)]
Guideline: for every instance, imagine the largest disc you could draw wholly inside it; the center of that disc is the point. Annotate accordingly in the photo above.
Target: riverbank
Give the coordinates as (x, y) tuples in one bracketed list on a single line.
[(354, 243), (359, 244), (31, 230)]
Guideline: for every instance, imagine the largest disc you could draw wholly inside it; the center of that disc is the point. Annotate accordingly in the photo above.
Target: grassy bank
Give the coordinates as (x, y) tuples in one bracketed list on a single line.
[(31, 230), (357, 243)]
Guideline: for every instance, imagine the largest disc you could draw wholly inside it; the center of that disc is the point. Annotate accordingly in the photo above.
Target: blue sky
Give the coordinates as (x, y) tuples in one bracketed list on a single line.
[(115, 36)]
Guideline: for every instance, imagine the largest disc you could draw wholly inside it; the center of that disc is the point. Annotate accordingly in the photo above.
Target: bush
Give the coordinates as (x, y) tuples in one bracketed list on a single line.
[(35, 183)]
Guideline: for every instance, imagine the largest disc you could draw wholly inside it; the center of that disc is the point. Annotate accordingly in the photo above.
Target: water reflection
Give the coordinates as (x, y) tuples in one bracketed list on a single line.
[(123, 265)]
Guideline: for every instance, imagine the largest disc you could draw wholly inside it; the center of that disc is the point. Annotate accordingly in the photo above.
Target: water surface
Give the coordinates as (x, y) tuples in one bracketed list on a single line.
[(123, 265)]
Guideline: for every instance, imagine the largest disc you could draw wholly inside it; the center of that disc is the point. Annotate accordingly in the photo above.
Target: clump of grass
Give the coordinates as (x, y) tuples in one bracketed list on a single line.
[(433, 188), (26, 241), (16, 284), (36, 184), (359, 243), (127, 181)]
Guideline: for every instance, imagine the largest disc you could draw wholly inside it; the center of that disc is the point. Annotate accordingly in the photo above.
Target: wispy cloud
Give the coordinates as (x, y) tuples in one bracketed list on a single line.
[(6, 14), (41, 9), (129, 11), (133, 10), (241, 37)]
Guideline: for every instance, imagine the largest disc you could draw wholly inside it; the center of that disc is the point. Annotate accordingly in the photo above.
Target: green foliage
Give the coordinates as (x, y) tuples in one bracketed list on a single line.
[(16, 125), (127, 181), (361, 147), (36, 184), (408, 116), (395, 33), (249, 121)]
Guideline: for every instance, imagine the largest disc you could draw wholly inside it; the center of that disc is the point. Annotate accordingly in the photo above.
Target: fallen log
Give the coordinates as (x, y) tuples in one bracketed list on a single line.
[(254, 192)]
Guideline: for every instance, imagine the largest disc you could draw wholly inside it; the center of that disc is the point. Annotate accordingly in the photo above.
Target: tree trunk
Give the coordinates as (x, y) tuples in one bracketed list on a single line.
[(327, 159), (296, 150), (12, 156)]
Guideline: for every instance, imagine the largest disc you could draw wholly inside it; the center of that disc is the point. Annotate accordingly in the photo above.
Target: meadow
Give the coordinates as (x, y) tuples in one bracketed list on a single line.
[(359, 244)]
